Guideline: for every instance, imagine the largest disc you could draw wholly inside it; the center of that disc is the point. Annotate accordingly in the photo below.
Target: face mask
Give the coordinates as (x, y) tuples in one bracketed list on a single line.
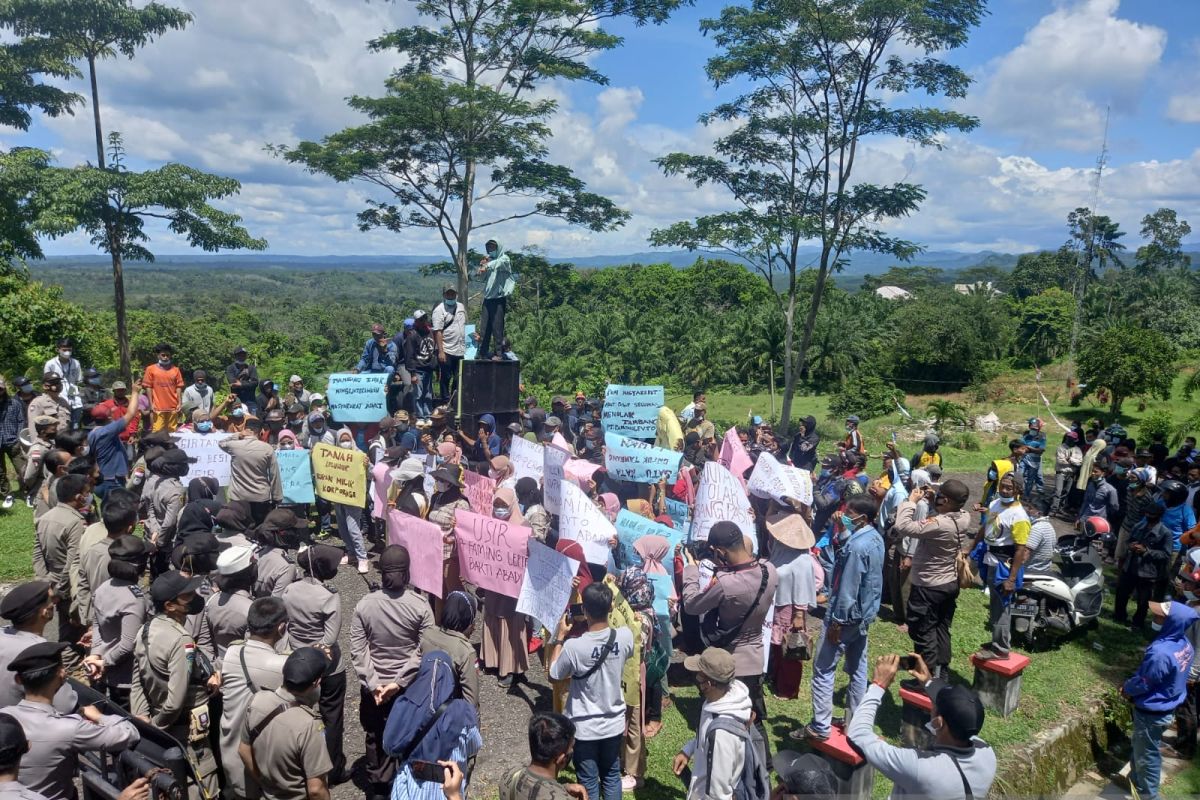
[(501, 513), (317, 429), (1156, 626), (164, 362), (933, 729), (1190, 596), (287, 446), (295, 427), (347, 445), (402, 427), (94, 381), (65, 355), (450, 304), (493, 474), (441, 486), (847, 524), (1007, 500), (204, 427), (195, 605)]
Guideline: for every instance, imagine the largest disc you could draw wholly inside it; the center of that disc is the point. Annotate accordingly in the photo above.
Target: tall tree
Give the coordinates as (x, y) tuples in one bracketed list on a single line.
[(1127, 361), (1164, 250), (458, 130), (22, 65), (113, 205), (816, 78)]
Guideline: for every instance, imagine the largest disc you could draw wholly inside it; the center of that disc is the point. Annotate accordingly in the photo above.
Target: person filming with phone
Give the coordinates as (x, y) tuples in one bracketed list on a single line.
[(958, 764)]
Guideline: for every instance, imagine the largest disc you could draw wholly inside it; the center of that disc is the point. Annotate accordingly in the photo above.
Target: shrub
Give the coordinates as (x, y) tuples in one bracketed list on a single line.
[(965, 441), (1155, 422), (868, 396)]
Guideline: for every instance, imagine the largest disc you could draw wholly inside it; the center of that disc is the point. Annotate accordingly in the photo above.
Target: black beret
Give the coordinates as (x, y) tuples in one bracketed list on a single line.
[(304, 666), (13, 743), (23, 600), (195, 544), (157, 437), (39, 656), (127, 548), (320, 560)]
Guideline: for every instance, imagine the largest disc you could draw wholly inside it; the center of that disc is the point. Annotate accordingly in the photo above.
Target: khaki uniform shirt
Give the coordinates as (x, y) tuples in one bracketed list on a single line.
[(56, 548), (225, 615), (385, 636), (939, 540), (15, 790), (56, 740), (314, 616), (12, 643), (276, 569), (290, 749), (120, 608), (166, 501), (248, 667), (461, 652), (253, 471), (56, 407), (93, 567), (162, 688)]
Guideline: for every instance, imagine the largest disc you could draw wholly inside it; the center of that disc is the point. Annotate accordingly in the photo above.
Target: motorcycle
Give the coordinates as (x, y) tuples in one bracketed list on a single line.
[(1061, 601)]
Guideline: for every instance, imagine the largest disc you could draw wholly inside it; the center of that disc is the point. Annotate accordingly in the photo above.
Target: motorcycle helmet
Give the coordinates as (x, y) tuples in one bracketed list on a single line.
[(1094, 527), (1173, 493), (1190, 568)]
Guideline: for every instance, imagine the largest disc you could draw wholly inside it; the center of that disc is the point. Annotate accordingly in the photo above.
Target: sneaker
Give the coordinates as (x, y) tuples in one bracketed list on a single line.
[(28, 502), (8, 502), (808, 732), (988, 654), (629, 783), (506, 682), (364, 567), (345, 560)]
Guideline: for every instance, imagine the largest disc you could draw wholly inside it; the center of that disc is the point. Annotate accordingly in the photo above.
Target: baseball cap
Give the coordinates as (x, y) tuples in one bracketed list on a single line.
[(449, 287), (580, 396), (294, 379), (418, 314), (304, 666), (725, 534), (715, 662), (171, 584), (241, 351), (315, 398), (378, 330), (553, 422), (959, 706)]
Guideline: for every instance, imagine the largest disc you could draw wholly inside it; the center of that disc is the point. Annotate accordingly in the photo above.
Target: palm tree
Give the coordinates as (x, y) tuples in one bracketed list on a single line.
[(944, 411)]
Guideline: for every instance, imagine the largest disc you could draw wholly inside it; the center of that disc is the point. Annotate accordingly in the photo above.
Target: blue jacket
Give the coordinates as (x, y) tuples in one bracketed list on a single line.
[(1160, 683), (1178, 518), (857, 583), (374, 360)]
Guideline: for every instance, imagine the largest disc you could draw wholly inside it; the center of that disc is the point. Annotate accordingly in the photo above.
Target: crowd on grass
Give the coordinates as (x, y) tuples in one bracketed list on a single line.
[(206, 610)]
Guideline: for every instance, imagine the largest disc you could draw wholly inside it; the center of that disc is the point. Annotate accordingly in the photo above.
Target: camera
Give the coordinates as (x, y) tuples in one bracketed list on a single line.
[(701, 551)]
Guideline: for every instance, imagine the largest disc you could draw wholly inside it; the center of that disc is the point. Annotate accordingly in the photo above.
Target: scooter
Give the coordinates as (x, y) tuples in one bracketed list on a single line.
[(1061, 601)]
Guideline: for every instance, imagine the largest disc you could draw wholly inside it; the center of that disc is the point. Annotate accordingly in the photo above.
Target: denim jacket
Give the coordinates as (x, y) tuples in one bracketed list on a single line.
[(857, 583), (374, 360)]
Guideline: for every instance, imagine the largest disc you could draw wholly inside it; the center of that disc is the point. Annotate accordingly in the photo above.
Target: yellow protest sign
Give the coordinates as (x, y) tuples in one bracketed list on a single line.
[(340, 475)]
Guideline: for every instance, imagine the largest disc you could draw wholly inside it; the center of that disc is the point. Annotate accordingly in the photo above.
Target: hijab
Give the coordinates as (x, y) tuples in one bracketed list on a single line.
[(528, 493), (637, 590), (574, 550), (204, 488), (393, 568), (458, 612), (198, 516), (612, 505), (320, 561), (509, 498), (450, 452), (668, 433), (642, 508), (434, 685), (235, 517)]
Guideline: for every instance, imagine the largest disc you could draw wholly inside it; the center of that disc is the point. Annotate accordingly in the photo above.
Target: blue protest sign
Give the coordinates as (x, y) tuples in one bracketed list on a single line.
[(632, 410), (358, 398), (295, 473), (472, 348), (679, 513), (630, 460), (631, 527), (663, 584)]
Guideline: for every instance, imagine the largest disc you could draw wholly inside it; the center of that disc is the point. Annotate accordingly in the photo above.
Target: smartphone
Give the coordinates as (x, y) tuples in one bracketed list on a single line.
[(576, 611), (428, 771), (908, 663)]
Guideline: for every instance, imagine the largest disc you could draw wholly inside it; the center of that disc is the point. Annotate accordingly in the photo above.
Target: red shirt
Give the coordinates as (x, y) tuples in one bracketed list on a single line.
[(105, 410)]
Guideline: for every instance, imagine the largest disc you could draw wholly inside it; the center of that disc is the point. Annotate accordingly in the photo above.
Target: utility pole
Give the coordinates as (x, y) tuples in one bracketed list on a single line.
[(1084, 270)]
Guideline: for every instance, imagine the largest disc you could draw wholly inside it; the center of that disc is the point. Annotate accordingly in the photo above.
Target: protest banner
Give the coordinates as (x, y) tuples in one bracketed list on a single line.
[(631, 527), (720, 497), (632, 410), (630, 460), (581, 521), (479, 490), (554, 462), (546, 587), (471, 347), (561, 443), (580, 471), (380, 482), (295, 473), (526, 458), (211, 460), (771, 479), (340, 474), (491, 552), (680, 514), (734, 456), (664, 590), (423, 540), (357, 398)]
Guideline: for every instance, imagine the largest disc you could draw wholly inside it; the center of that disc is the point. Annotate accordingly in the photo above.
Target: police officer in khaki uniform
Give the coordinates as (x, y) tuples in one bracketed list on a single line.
[(250, 666), (56, 553), (171, 681), (118, 519), (315, 620), (283, 741), (196, 557), (56, 740), (29, 608), (279, 533), (225, 610), (13, 745), (119, 610)]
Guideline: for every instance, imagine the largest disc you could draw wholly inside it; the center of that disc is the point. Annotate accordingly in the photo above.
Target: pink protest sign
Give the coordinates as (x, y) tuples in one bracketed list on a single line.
[(580, 471), (734, 456), (423, 540), (380, 483), (491, 552), (479, 490)]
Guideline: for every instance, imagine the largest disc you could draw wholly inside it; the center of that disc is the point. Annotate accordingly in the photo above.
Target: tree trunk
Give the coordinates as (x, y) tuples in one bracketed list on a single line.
[(1114, 407), (810, 321), (96, 112), (789, 374), (464, 232), (119, 307)]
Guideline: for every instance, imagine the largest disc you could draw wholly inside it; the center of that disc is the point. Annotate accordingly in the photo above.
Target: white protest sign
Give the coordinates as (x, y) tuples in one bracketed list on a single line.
[(554, 469), (632, 410), (581, 521), (211, 460), (631, 460), (357, 398), (526, 458), (772, 480), (720, 498), (546, 587)]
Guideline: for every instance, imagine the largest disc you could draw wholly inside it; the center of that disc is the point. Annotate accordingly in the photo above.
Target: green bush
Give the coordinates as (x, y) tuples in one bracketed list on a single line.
[(965, 441), (868, 396), (1156, 422)]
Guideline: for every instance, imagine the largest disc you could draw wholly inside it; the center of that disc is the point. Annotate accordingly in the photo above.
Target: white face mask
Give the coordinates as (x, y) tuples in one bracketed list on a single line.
[(1156, 626), (933, 729), (501, 513), (493, 474), (1191, 597), (65, 355), (349, 445)]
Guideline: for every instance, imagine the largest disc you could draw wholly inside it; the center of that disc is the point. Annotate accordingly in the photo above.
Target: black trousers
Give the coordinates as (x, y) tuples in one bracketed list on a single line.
[(1185, 722), (758, 705), (1141, 589), (930, 613), (493, 326), (448, 376), (381, 767), (333, 713)]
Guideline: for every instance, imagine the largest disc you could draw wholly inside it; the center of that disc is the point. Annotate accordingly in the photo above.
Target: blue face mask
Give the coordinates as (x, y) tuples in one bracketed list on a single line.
[(847, 523), (204, 427), (450, 304)]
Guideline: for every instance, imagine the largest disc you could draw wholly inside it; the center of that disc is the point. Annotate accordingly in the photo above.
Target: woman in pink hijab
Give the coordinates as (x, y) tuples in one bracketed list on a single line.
[(450, 453), (504, 646), (610, 504)]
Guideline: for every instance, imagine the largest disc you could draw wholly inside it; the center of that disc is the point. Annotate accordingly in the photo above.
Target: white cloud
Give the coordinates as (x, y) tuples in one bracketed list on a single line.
[(1053, 87)]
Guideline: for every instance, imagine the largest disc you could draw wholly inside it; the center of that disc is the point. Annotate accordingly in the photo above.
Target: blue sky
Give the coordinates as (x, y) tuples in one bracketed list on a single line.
[(277, 70)]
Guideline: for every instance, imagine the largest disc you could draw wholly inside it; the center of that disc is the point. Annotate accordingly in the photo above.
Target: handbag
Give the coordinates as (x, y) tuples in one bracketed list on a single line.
[(962, 568), (797, 646)]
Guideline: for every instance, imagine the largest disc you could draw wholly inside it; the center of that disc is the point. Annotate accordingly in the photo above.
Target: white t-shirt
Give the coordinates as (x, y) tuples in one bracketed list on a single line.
[(453, 327), (595, 704)]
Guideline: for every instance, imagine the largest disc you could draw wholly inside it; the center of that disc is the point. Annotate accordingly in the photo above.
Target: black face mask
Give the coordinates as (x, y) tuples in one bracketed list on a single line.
[(195, 605)]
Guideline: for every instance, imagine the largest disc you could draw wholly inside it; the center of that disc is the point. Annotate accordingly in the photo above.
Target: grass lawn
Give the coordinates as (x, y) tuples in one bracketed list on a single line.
[(16, 543), (1013, 397), (1059, 680)]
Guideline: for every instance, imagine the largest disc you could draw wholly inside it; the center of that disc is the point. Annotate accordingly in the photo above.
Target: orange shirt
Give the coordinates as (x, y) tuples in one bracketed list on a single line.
[(164, 385)]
